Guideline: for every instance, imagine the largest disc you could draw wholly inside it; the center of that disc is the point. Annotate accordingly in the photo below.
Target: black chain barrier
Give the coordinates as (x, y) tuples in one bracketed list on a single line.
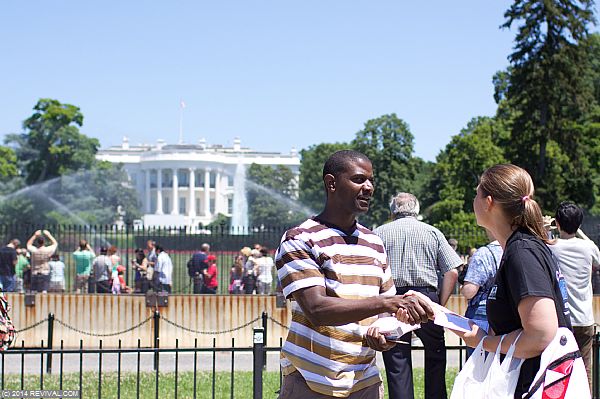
[(34, 325), (101, 334), (174, 324), (278, 323), (209, 332)]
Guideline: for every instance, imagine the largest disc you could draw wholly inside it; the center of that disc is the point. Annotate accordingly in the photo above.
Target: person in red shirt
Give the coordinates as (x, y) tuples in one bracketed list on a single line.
[(121, 274), (210, 276)]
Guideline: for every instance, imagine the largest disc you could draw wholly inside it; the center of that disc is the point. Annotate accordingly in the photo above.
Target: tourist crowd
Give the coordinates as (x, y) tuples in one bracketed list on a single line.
[(38, 267)]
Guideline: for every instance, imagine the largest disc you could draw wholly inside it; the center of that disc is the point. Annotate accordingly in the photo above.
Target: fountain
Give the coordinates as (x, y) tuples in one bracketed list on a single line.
[(239, 217), (82, 199), (241, 185), (290, 202)]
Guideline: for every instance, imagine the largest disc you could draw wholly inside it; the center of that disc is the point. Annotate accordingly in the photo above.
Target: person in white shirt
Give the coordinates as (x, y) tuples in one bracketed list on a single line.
[(576, 258), (57, 274), (263, 269), (164, 268)]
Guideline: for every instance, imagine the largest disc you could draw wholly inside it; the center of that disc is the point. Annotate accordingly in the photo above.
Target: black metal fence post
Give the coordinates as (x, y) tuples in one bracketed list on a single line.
[(50, 334), (258, 350), (595, 366), (156, 323), (265, 317)]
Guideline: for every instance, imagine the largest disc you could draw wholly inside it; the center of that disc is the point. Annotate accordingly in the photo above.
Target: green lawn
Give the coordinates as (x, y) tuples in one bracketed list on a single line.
[(166, 389)]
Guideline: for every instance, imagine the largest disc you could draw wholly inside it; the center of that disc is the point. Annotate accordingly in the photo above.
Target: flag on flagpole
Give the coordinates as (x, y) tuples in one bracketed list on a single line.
[(182, 104)]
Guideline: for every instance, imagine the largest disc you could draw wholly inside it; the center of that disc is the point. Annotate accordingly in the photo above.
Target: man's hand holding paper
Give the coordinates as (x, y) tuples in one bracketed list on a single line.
[(385, 333)]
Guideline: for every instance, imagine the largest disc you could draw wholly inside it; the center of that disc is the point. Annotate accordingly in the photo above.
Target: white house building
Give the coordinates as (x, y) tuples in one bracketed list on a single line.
[(187, 184)]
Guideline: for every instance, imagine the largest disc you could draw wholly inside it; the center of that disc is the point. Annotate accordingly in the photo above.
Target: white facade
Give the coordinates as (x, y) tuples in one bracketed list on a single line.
[(186, 184)]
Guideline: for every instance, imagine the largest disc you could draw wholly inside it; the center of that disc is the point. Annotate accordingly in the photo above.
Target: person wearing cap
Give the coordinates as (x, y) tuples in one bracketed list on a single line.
[(102, 268), (416, 253)]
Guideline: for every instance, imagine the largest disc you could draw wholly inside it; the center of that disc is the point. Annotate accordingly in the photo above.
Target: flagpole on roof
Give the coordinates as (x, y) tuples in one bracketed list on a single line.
[(181, 107)]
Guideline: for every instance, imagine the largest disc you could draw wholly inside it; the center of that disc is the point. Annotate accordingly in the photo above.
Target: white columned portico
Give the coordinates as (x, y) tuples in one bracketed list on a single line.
[(147, 185), (175, 196), (192, 203), (159, 206), (207, 192)]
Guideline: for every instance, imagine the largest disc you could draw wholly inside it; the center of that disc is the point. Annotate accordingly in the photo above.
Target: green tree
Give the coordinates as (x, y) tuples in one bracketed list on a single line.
[(464, 159), (388, 143), (220, 223), (8, 164), (311, 190), (424, 171), (547, 84), (272, 193), (85, 197), (457, 173), (51, 144)]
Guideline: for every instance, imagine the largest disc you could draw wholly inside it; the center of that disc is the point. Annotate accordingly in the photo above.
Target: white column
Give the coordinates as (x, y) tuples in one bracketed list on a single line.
[(207, 192), (192, 203), (148, 201), (218, 189), (175, 196), (159, 210)]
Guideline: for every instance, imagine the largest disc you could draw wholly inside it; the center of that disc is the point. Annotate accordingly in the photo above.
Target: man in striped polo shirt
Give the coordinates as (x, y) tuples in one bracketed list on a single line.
[(335, 271)]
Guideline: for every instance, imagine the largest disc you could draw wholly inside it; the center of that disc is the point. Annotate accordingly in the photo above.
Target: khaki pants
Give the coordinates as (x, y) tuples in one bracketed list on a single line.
[(584, 337), (294, 387)]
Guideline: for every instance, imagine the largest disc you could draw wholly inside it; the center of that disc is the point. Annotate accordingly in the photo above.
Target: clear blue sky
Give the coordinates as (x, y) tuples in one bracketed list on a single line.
[(275, 73)]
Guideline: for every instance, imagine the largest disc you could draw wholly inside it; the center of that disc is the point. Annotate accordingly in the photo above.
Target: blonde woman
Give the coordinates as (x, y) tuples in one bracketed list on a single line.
[(526, 295)]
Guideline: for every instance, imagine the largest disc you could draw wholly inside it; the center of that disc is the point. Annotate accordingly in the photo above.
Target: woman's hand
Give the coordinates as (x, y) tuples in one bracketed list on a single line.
[(377, 341), (472, 337)]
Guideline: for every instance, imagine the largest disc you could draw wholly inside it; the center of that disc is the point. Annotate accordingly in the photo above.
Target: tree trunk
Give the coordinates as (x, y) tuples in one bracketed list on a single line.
[(542, 160), (543, 142)]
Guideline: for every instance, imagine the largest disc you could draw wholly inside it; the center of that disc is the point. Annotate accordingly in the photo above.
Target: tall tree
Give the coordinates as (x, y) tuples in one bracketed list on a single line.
[(456, 175), (51, 144), (311, 190), (466, 157), (388, 142), (547, 84), (424, 174), (8, 164)]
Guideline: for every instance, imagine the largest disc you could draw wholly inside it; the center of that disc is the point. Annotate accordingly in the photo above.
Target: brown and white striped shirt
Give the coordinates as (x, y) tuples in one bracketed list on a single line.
[(334, 360)]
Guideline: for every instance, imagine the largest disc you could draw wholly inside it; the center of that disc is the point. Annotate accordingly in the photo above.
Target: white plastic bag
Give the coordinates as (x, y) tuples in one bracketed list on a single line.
[(469, 383), (503, 376), (562, 373)]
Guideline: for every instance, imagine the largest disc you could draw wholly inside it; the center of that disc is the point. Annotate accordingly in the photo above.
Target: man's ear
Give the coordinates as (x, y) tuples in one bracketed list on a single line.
[(329, 181)]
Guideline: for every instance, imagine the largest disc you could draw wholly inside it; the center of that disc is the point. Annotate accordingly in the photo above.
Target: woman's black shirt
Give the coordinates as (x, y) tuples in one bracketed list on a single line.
[(526, 269)]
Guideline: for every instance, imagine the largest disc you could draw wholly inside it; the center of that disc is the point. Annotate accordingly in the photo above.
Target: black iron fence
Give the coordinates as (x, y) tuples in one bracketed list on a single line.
[(160, 372), (181, 243)]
